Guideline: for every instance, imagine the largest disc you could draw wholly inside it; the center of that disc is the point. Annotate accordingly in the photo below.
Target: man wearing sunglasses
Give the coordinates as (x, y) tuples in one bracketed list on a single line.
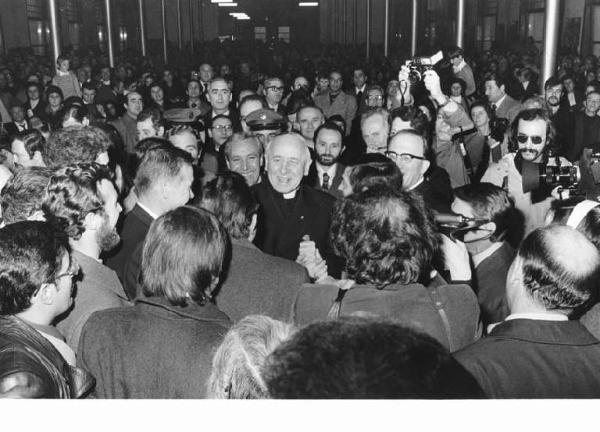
[(408, 150), (532, 139), (274, 93)]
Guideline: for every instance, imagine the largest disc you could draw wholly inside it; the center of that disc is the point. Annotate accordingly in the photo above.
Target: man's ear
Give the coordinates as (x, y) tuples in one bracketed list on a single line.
[(85, 121), (92, 221), (161, 131), (45, 295), (209, 130), (503, 88)]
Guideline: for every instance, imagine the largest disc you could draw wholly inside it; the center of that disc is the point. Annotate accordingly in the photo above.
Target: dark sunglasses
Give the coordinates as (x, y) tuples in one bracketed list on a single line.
[(536, 139)]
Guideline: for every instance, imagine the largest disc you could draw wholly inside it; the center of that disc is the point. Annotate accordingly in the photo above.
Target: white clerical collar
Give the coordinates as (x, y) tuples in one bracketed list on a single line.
[(290, 195), (147, 210), (214, 114), (500, 101), (481, 256)]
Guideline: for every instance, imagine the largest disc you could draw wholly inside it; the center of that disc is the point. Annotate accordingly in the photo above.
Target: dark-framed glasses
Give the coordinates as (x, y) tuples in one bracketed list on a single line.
[(535, 139), (402, 157)]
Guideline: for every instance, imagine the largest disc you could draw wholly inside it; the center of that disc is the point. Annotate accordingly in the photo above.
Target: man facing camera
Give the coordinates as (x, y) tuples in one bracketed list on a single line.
[(290, 210), (538, 351)]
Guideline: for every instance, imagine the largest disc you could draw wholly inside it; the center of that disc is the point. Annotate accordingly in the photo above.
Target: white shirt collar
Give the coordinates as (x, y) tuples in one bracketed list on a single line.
[(417, 184), (499, 102), (61, 73), (362, 89), (147, 210), (539, 316), (290, 195), (34, 103), (481, 256), (329, 170)]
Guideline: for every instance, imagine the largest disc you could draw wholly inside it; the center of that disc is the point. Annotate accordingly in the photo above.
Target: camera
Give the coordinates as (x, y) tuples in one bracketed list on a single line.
[(498, 127), (536, 176), (419, 65)]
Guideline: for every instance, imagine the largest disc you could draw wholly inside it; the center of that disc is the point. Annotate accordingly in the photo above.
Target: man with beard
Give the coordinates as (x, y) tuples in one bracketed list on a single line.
[(326, 172), (561, 117), (83, 199), (533, 134), (289, 210)]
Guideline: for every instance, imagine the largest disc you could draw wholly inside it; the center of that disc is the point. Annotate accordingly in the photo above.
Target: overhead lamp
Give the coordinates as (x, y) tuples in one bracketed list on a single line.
[(227, 4), (308, 4), (221, 1)]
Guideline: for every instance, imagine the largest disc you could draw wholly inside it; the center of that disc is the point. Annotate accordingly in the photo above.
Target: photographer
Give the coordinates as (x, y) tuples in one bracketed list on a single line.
[(532, 142), (488, 142), (451, 119)]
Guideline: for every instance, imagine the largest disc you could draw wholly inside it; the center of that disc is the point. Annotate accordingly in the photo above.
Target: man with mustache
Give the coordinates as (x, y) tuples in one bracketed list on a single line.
[(532, 141), (326, 172)]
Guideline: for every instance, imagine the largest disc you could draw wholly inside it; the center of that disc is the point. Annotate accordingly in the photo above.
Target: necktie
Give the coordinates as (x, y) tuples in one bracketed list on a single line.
[(359, 95), (494, 108), (325, 181)]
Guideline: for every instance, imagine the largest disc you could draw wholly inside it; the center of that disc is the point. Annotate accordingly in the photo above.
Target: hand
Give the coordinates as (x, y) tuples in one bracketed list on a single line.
[(560, 193), (403, 74), (456, 259), (310, 258), (432, 83)]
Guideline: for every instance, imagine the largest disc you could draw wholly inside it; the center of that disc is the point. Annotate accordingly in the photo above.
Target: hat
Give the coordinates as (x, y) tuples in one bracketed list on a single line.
[(183, 116), (265, 119)]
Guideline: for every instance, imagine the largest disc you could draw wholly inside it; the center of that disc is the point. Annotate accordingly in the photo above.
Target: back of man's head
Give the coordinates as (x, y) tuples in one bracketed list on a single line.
[(158, 164), (560, 268), (359, 358), (73, 193), (22, 196), (230, 199), (31, 255), (72, 146)]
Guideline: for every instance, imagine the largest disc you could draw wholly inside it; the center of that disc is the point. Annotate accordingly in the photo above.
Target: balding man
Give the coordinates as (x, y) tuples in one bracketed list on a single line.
[(290, 210), (537, 351)]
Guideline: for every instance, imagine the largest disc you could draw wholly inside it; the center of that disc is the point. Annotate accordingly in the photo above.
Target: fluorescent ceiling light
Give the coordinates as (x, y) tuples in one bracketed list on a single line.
[(221, 1), (227, 5), (308, 4)]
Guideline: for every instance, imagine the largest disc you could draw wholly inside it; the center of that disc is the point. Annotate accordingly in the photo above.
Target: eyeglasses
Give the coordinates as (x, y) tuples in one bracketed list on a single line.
[(375, 97), (222, 128), (403, 157), (275, 89), (535, 139)]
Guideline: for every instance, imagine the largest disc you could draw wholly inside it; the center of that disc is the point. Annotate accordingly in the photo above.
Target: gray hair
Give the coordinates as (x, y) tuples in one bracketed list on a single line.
[(237, 363)]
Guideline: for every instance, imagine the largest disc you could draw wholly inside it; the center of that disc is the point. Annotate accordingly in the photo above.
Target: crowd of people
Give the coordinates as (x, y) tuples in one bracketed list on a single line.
[(297, 224)]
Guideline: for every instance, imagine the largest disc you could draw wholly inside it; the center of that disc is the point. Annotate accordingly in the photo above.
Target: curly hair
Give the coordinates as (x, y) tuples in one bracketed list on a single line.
[(72, 194), (72, 146), (31, 255), (22, 196), (385, 236)]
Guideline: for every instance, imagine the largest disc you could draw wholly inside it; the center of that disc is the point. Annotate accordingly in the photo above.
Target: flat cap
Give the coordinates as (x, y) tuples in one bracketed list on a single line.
[(263, 118)]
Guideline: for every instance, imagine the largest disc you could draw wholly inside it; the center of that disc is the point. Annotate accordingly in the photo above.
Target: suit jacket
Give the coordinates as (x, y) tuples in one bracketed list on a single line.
[(312, 180), (126, 126), (152, 350), (344, 105), (490, 284), (436, 190), (11, 128), (39, 111), (563, 120), (411, 305), (98, 289), (508, 109), (257, 283), (127, 259), (525, 358), (279, 233), (586, 133)]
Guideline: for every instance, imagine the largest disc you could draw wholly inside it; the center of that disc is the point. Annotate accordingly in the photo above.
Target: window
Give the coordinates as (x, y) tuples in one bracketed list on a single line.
[(260, 33), (596, 31), (284, 34), (535, 28)]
